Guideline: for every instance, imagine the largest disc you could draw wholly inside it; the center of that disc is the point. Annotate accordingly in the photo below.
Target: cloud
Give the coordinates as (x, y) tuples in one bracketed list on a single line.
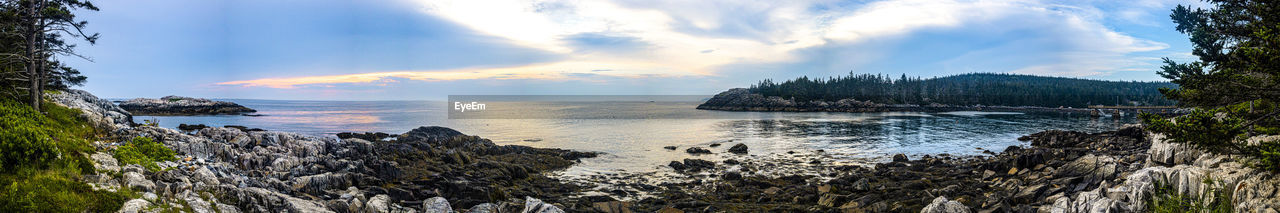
[(640, 39)]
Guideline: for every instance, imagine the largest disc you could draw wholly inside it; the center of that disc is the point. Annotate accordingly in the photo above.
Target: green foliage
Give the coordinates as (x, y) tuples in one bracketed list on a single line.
[(969, 89), (54, 191), (1167, 199), (1234, 86), (143, 151), (1209, 130), (31, 139), (43, 158)]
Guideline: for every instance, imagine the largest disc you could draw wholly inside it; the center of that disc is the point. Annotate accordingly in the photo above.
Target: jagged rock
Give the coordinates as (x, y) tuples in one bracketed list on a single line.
[(368, 136), (178, 105), (101, 113), (196, 204), (134, 206), (436, 205), (138, 181), (942, 205), (186, 127), (104, 162), (149, 196), (533, 205), (206, 176), (1163, 152), (738, 149)]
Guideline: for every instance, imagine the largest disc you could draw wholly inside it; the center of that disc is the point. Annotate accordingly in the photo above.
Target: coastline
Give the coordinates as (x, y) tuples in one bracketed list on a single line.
[(436, 168)]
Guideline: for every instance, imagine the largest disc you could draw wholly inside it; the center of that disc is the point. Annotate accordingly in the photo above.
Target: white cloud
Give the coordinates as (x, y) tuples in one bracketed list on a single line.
[(678, 33)]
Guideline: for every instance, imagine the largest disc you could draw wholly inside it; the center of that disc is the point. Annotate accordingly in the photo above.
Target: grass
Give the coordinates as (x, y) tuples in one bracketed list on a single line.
[(42, 160), (1167, 199), (143, 151)]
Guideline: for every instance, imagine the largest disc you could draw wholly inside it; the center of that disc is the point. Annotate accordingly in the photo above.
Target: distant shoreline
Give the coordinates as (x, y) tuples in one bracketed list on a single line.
[(740, 99)]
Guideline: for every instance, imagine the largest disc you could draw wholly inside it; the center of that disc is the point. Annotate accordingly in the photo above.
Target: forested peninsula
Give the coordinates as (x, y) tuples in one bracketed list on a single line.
[(975, 91)]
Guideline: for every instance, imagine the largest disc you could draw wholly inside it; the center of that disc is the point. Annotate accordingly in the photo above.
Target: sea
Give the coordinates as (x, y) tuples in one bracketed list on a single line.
[(632, 135)]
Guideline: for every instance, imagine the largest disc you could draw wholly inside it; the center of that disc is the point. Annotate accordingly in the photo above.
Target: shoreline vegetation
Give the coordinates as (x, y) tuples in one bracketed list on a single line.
[(967, 92)]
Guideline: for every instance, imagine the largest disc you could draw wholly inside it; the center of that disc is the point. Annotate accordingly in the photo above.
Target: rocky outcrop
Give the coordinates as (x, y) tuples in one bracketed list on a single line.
[(100, 112), (233, 170), (942, 205), (178, 105)]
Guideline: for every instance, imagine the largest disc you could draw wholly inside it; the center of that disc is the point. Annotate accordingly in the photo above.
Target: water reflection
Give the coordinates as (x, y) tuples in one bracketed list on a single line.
[(636, 144)]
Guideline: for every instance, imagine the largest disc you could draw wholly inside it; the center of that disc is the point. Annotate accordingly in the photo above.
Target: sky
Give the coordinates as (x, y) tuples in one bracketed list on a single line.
[(428, 49)]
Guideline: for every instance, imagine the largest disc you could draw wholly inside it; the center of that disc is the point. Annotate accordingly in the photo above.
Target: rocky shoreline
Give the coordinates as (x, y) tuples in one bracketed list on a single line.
[(437, 169), (178, 105)]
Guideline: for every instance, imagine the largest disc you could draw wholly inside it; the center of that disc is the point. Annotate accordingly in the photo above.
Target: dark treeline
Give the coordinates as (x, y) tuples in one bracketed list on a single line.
[(970, 89)]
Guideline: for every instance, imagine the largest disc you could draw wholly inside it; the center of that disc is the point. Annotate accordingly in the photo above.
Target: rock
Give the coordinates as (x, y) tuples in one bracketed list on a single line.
[(436, 205), (224, 208), (668, 209), (738, 149), (698, 164), (435, 135), (677, 165), (1163, 152), (714, 145), (697, 150), (900, 158), (669, 147), (104, 162), (942, 205), (136, 180), (485, 208), (206, 176), (196, 204), (613, 206), (368, 136), (101, 113), (134, 206), (533, 205), (150, 196), (378, 204), (185, 127), (178, 105), (861, 185), (732, 176)]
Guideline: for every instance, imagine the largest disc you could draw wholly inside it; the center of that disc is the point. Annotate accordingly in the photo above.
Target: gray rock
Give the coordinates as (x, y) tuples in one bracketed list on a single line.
[(436, 205), (485, 208), (100, 112), (533, 205), (196, 204), (1166, 153), (134, 206), (136, 180), (378, 204), (942, 205), (206, 176), (104, 162), (150, 196), (224, 208)]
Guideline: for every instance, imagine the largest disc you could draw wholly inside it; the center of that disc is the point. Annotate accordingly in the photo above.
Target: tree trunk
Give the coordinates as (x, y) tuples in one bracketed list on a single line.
[(32, 69)]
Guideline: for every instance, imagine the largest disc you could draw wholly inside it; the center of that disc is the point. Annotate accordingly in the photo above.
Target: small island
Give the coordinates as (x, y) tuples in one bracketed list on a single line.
[(178, 105)]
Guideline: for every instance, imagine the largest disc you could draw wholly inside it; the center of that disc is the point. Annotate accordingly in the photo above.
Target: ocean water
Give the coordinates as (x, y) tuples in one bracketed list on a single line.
[(636, 145)]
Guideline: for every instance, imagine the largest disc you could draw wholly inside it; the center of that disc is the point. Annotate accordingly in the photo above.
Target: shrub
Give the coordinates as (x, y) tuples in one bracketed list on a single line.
[(143, 151), (43, 158), (55, 192), (25, 141)]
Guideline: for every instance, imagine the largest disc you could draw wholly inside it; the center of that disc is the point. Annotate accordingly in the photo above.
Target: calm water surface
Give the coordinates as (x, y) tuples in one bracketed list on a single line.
[(635, 145)]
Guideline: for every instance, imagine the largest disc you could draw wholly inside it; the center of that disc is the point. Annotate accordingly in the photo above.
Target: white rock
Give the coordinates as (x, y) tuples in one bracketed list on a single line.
[(533, 205), (436, 205), (104, 162), (134, 206), (942, 205), (138, 181)]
